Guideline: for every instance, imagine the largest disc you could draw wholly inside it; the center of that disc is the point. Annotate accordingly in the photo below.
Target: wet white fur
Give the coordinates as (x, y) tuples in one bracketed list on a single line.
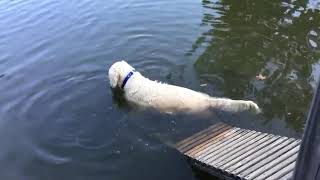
[(169, 98)]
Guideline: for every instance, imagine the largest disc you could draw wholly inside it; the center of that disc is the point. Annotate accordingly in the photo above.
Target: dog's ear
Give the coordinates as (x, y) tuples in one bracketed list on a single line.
[(114, 77)]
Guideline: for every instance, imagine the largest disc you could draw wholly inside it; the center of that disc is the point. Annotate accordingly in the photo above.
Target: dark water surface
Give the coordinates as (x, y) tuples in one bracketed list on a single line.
[(60, 120)]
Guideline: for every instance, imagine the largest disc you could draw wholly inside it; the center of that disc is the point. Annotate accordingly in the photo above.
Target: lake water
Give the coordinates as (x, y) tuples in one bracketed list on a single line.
[(60, 120)]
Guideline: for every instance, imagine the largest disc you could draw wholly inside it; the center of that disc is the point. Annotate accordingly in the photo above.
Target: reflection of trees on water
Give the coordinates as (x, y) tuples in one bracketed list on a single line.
[(278, 40)]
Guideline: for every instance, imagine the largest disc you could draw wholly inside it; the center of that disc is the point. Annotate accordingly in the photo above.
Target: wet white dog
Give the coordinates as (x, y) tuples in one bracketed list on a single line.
[(169, 98)]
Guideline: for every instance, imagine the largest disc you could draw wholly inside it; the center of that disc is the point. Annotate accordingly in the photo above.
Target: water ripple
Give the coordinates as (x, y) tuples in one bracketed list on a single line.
[(45, 155)]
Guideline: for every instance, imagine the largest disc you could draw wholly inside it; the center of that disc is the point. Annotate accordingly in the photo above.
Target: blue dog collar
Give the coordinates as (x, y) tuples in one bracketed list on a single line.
[(126, 79)]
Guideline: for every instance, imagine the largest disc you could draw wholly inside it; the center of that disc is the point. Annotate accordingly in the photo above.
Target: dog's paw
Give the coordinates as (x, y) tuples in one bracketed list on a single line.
[(252, 106)]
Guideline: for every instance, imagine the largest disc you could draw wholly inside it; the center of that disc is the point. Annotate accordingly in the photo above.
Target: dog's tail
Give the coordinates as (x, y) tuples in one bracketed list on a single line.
[(230, 105)]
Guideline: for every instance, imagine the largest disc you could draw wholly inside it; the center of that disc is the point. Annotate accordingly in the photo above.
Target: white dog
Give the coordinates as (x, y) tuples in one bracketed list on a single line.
[(169, 98)]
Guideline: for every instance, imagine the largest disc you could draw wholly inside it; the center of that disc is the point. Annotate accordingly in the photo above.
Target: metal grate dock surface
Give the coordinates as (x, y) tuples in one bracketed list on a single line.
[(233, 153)]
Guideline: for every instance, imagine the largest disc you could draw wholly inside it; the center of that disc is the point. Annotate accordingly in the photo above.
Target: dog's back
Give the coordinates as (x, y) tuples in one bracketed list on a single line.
[(169, 98)]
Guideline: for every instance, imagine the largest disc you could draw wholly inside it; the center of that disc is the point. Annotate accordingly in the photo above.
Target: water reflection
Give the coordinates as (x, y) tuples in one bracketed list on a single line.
[(278, 40)]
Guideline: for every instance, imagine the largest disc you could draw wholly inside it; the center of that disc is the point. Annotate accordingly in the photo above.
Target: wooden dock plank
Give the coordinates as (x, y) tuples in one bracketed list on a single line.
[(238, 161), (234, 134), (278, 168), (198, 139), (273, 160), (236, 153), (225, 161), (222, 152), (210, 141), (260, 155), (229, 151)]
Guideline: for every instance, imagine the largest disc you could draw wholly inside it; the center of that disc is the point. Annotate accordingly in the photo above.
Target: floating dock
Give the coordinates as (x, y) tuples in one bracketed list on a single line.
[(233, 153)]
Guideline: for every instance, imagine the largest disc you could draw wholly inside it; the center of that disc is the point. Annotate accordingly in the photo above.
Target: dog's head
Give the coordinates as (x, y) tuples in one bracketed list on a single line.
[(117, 73)]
